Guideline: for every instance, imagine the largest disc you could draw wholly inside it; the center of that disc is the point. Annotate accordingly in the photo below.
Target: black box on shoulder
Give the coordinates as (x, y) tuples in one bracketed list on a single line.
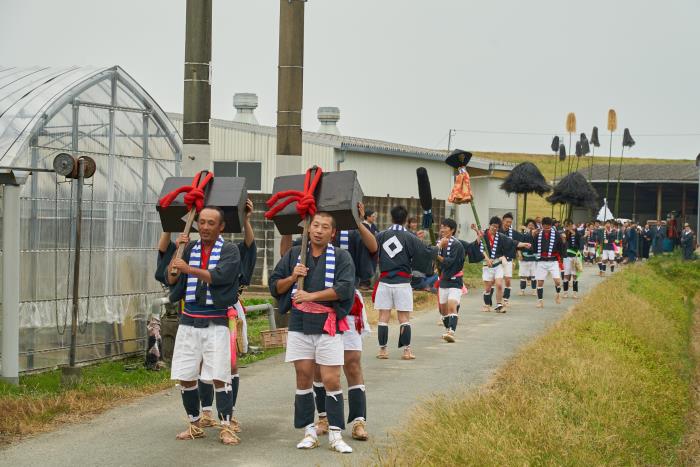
[(337, 193), (227, 193)]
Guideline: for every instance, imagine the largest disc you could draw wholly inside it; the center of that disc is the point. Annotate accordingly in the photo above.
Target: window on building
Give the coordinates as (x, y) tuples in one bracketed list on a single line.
[(251, 171)]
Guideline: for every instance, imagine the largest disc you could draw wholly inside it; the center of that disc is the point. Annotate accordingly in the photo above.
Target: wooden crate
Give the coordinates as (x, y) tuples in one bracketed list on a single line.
[(273, 339)]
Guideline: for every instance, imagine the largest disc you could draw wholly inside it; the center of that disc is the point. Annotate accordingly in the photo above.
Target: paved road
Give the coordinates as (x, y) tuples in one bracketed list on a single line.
[(143, 432)]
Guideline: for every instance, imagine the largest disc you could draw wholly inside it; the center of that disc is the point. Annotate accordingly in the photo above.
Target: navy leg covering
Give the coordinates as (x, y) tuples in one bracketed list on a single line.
[(334, 408), (206, 394), (533, 284), (404, 334), (303, 408), (235, 381), (558, 289), (224, 402), (357, 403), (523, 284), (540, 293), (575, 286), (320, 398), (453, 322), (190, 399), (487, 298), (566, 286), (383, 334), (506, 293), (446, 321)]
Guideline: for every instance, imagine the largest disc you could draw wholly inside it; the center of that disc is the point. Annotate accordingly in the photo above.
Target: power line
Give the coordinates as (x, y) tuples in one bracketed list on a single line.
[(539, 133)]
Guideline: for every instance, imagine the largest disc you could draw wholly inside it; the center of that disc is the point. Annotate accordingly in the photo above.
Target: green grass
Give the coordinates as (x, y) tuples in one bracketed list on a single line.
[(39, 402), (129, 373), (608, 384), (472, 275)]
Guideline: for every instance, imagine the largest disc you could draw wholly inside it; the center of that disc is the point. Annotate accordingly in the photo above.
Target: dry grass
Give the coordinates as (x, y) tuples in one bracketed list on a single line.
[(40, 404), (538, 205), (689, 454), (609, 384)]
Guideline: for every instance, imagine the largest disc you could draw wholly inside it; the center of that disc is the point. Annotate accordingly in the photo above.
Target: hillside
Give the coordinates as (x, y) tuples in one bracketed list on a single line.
[(537, 205)]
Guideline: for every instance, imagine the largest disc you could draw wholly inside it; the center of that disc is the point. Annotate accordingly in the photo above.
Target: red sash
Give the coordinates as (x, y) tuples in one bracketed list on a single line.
[(331, 320), (387, 273)]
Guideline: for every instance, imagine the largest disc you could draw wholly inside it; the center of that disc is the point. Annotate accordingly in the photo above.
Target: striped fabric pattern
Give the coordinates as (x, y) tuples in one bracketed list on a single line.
[(552, 241), (195, 262), (344, 239), (397, 227), (329, 276), (493, 248)]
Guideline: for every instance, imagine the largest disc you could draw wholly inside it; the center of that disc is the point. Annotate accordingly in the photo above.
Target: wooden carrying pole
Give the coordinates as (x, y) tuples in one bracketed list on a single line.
[(305, 237), (189, 221)]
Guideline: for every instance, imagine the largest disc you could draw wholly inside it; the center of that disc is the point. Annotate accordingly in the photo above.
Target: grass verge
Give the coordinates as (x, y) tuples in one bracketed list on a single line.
[(608, 384), (40, 403)]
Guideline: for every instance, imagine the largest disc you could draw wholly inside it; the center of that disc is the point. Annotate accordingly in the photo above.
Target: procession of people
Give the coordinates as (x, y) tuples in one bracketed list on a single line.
[(318, 282)]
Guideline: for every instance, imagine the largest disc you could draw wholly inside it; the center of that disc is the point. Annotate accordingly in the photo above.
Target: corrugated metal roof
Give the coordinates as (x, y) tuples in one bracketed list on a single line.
[(669, 173), (356, 144)]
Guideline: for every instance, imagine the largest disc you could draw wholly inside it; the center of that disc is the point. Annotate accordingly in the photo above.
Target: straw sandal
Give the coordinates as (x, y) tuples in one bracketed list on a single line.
[(192, 432), (228, 436)]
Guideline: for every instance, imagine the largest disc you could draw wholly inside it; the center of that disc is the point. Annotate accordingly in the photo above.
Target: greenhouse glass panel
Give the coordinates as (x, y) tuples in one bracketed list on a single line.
[(104, 114)]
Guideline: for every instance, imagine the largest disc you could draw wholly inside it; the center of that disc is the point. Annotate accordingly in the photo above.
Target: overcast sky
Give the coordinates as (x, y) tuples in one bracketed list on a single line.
[(408, 70)]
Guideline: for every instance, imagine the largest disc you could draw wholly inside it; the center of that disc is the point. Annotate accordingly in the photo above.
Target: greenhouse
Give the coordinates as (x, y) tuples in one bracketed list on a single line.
[(106, 115)]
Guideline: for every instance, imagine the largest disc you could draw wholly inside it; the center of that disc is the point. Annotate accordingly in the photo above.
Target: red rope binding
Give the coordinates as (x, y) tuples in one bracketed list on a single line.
[(306, 203), (194, 194)]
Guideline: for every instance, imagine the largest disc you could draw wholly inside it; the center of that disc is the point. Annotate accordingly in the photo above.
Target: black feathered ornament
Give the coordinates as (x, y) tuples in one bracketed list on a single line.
[(627, 140), (585, 147), (594, 137), (574, 189), (579, 149), (562, 152), (525, 178), (555, 144), (426, 197)]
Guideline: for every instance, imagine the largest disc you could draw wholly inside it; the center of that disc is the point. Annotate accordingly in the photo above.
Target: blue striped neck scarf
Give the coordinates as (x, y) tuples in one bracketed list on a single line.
[(552, 241), (344, 239), (195, 262), (329, 275), (397, 227), (493, 247), (449, 245)]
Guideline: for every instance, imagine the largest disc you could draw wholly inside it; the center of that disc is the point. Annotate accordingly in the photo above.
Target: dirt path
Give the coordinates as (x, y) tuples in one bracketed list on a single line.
[(143, 432)]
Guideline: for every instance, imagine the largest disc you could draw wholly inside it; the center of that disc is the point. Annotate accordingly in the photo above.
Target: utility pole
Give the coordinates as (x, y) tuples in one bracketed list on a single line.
[(290, 87), (197, 99)]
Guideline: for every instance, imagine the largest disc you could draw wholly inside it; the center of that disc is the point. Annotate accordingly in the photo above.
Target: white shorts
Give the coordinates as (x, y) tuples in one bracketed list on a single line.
[(352, 340), (547, 267), (489, 274), (527, 268), (508, 269), (449, 293), (394, 296), (208, 347), (321, 348), (588, 249), (569, 266), (608, 255)]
